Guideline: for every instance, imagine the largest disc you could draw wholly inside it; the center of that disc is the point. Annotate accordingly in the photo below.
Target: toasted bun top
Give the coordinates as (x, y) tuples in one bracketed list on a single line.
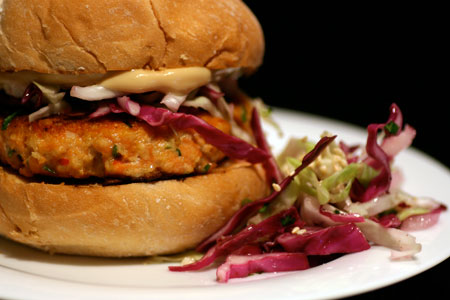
[(96, 36)]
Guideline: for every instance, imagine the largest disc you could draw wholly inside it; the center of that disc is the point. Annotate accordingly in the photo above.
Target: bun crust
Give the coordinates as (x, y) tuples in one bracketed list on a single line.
[(136, 219), (96, 36)]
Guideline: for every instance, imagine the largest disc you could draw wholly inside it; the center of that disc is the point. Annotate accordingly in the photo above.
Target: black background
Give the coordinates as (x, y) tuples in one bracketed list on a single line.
[(350, 63)]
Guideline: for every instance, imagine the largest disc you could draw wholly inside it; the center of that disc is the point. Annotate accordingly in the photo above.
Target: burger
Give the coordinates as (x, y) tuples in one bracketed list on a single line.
[(124, 131)]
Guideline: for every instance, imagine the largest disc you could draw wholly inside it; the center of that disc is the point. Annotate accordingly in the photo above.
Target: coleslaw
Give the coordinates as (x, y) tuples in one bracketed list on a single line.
[(328, 199)]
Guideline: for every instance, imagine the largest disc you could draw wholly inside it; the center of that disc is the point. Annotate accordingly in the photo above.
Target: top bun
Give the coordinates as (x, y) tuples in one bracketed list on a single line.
[(97, 36)]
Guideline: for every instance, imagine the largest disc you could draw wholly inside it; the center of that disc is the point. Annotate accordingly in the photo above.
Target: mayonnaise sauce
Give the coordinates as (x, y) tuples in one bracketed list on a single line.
[(177, 80)]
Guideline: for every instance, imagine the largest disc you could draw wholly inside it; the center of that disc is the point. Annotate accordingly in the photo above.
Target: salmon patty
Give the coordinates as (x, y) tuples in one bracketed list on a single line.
[(108, 147)]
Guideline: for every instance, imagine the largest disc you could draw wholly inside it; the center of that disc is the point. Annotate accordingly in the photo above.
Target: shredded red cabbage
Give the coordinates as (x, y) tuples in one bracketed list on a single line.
[(394, 144), (388, 221), (211, 93), (117, 109), (102, 110), (275, 224), (154, 116), (131, 107), (423, 221), (348, 151), (346, 238), (247, 211), (230, 145), (249, 249), (395, 116), (32, 92), (242, 266), (273, 173), (378, 159)]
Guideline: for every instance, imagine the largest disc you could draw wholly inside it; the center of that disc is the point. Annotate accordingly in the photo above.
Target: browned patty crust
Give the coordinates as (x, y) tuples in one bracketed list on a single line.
[(107, 147)]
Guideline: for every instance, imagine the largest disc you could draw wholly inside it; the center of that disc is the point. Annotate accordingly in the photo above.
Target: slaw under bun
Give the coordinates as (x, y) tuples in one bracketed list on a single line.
[(97, 36), (135, 219)]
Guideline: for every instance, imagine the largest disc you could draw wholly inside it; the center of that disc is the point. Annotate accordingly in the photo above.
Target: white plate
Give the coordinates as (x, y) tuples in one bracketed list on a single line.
[(30, 274)]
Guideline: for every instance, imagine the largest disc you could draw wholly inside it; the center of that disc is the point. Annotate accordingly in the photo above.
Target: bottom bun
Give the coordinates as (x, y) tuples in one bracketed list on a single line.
[(136, 219)]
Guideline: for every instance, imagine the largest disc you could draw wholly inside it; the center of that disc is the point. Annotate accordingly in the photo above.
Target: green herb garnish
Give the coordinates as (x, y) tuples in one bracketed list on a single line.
[(48, 169), (8, 119), (264, 208), (244, 114), (387, 212), (115, 152), (246, 201), (265, 113), (337, 212), (178, 151), (11, 152), (391, 127), (206, 168), (287, 220)]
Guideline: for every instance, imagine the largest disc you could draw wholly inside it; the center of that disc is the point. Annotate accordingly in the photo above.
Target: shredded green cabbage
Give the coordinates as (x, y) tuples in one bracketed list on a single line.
[(53, 98), (50, 93), (366, 174), (328, 179), (340, 183), (335, 188), (265, 112), (411, 211)]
